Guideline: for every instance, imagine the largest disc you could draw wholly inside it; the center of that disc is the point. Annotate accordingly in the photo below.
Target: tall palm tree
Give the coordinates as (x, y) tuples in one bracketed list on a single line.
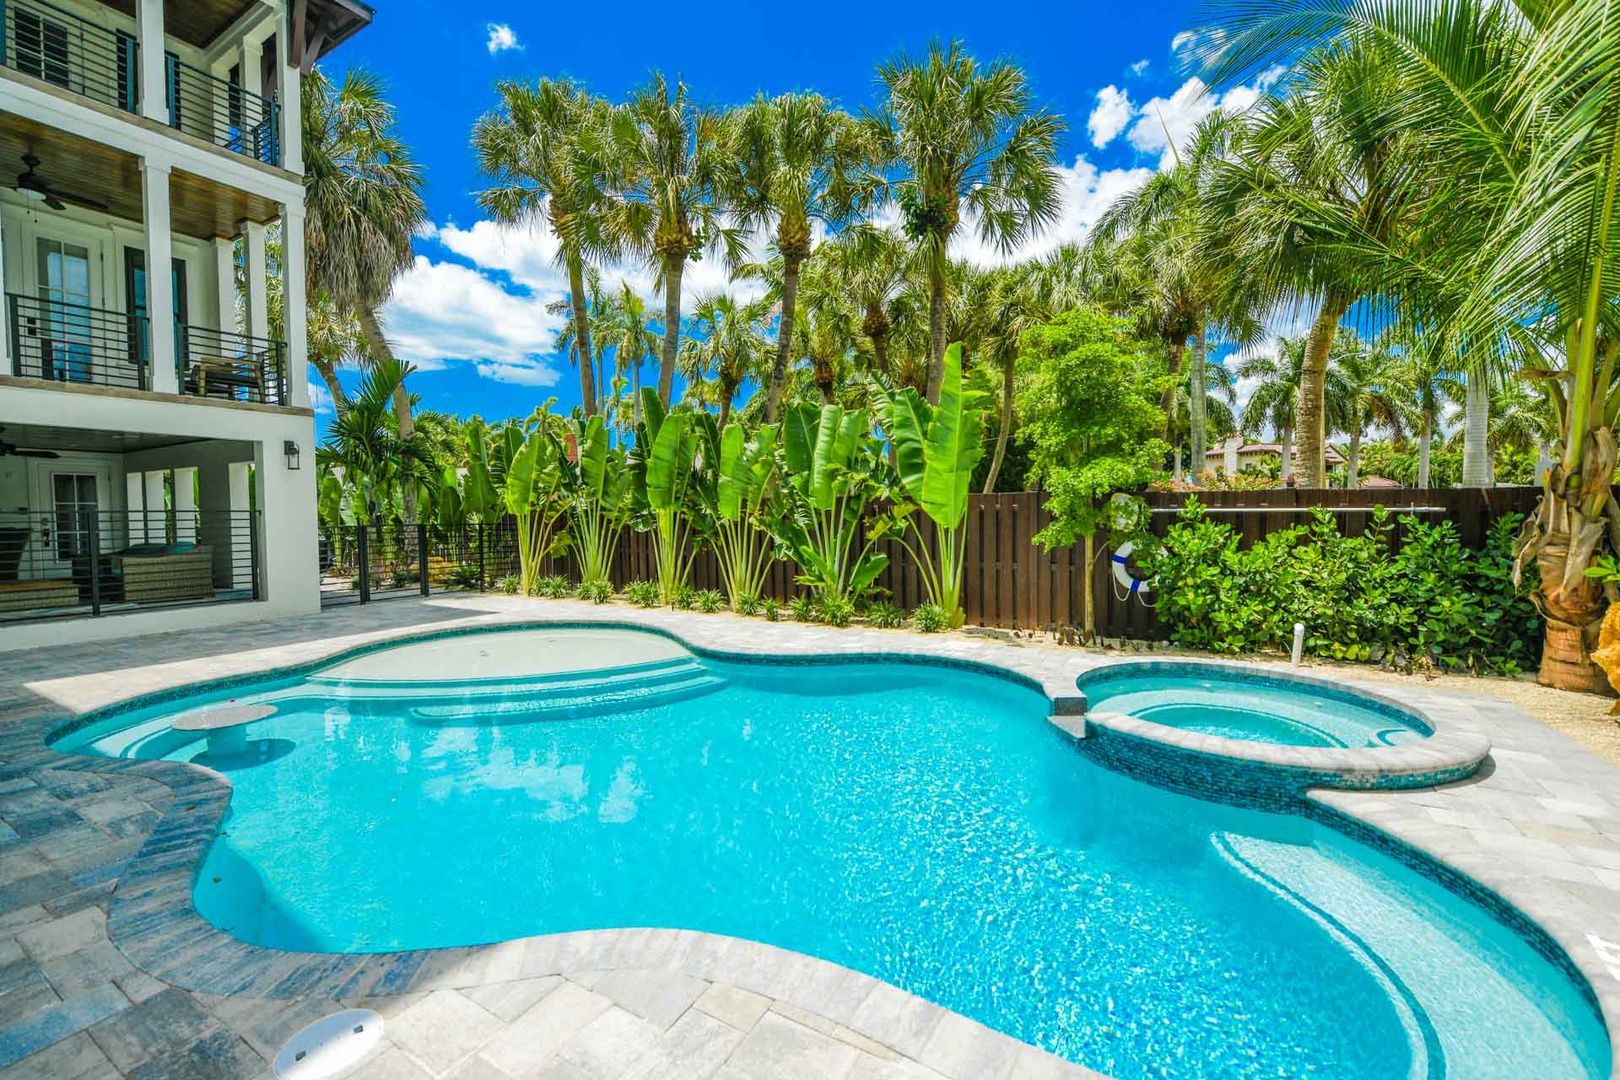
[(797, 161), (1019, 297), (1275, 401), (727, 347), (633, 336), (870, 269), (1365, 386), (668, 158), (363, 203), (541, 150), (965, 137), (587, 349), (1424, 380)]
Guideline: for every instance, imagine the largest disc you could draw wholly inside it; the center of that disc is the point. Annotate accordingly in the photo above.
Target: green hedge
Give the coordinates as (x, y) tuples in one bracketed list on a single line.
[(1432, 600)]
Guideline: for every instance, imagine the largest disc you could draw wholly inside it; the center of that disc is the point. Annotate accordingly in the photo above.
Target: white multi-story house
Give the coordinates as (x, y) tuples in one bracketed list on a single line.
[(156, 437)]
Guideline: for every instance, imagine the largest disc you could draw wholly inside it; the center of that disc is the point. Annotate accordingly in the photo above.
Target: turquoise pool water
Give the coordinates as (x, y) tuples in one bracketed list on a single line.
[(1240, 705), (922, 824)]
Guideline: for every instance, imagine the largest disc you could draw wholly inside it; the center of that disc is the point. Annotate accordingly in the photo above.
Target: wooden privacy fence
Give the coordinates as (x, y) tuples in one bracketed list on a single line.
[(1011, 582)]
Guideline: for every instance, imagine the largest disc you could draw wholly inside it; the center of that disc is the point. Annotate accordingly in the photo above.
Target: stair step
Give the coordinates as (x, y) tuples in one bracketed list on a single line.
[(551, 680), (570, 706)]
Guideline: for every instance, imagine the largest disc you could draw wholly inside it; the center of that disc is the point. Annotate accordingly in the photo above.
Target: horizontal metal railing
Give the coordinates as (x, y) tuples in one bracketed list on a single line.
[(69, 342), (222, 113), (54, 44), (231, 366), (77, 561)]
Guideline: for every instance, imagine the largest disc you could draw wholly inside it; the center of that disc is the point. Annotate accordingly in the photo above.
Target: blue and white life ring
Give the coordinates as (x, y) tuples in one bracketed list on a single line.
[(1134, 586)]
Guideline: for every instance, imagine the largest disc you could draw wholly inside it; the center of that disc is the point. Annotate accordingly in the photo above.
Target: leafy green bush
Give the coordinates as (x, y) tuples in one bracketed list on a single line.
[(683, 596), (506, 583), (554, 587), (642, 593), (598, 591), (1431, 600), (803, 608), (709, 601), (771, 610), (464, 576), (928, 619), (884, 615), (834, 610), (747, 604)]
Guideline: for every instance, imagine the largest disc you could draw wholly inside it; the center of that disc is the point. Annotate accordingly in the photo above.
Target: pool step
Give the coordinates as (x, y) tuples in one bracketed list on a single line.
[(607, 692), (551, 681)]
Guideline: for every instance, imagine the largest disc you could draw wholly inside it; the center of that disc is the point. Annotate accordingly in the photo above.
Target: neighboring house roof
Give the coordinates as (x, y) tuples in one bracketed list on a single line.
[(1261, 449)]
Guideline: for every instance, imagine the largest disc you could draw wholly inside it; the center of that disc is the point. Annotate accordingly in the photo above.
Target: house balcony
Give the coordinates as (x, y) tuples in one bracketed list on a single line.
[(77, 344), (84, 53)]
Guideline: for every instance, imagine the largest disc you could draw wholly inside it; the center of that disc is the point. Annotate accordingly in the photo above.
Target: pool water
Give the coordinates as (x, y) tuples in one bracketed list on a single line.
[(1239, 705), (922, 824)]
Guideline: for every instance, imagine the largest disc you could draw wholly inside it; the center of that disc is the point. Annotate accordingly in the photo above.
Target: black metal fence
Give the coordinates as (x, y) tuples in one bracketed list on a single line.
[(67, 342), (222, 113), (232, 366), (377, 562), (79, 561), (53, 44)]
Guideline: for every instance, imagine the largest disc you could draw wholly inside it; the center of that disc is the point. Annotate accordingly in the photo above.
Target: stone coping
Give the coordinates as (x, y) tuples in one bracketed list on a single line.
[(1444, 755), (153, 921)]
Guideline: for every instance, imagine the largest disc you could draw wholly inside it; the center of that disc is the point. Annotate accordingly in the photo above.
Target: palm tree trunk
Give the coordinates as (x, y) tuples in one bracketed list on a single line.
[(725, 408), (1287, 453), (328, 373), (1311, 411), (582, 334), (371, 329), (784, 336), (1476, 425), (1177, 350), (1197, 405), (673, 267), (1008, 366), (1352, 466), (635, 392), (1425, 445), (936, 332)]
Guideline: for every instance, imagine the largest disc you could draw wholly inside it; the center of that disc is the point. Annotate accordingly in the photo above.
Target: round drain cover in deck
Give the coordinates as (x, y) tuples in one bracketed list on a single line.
[(329, 1045)]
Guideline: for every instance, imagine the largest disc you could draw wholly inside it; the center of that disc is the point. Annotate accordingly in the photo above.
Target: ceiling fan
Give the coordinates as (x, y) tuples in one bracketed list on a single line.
[(13, 450), (33, 187)]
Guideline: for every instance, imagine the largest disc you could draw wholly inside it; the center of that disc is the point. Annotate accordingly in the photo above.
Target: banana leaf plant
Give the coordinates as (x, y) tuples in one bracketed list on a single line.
[(480, 498), (835, 468), (602, 499), (666, 479), (533, 488), (742, 492), (936, 448)]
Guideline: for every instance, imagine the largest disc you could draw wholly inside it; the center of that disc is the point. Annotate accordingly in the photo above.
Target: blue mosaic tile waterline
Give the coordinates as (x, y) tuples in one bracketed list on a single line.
[(919, 823)]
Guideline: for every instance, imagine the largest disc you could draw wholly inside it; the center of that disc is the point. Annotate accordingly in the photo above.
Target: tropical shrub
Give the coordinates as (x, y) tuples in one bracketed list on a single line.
[(747, 604), (506, 583), (936, 449), (464, 576), (771, 610), (929, 619), (518, 468), (642, 593), (709, 601), (803, 608), (833, 610), (742, 492), (602, 501), (552, 587), (884, 615), (1429, 600), (666, 478), (684, 597), (596, 590)]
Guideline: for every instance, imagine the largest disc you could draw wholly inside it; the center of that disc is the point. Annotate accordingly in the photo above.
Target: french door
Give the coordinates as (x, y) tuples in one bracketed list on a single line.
[(64, 288)]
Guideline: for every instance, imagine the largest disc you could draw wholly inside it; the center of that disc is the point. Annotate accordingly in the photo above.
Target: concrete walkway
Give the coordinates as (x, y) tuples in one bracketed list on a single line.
[(165, 995)]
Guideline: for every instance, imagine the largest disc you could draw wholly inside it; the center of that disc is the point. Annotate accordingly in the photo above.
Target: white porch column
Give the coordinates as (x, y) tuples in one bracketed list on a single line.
[(156, 513), (154, 65), (135, 506), (252, 50), (159, 281), (286, 88), (225, 283), (241, 493), (5, 313), (293, 312), (185, 505), (258, 304)]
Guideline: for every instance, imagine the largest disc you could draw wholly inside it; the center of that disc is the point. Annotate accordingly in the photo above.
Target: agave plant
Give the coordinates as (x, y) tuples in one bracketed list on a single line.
[(936, 449), (602, 500), (835, 469), (743, 487), (665, 482)]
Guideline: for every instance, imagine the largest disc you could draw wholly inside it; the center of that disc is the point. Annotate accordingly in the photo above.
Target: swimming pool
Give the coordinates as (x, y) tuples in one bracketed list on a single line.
[(921, 823), (1236, 703)]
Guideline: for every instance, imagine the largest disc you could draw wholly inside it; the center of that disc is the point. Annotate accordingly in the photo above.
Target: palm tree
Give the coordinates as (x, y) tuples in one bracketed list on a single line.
[(964, 135), (541, 150), (727, 347), (380, 467), (1019, 298), (633, 337), (1423, 379), (797, 161), (870, 269), (1275, 401), (585, 349), (1367, 395), (363, 203), (669, 159)]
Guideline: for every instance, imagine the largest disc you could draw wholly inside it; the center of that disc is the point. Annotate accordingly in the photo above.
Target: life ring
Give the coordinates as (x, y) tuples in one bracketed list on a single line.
[(1134, 586)]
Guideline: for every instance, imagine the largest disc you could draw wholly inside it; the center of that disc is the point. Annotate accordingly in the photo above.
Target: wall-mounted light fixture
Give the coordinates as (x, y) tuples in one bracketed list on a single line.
[(290, 448)]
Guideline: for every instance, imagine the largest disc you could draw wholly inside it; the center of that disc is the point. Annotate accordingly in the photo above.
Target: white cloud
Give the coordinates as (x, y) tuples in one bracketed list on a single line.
[(1110, 115), (1164, 124), (320, 398), (444, 313), (1139, 67), (501, 38), (1184, 40), (1087, 192)]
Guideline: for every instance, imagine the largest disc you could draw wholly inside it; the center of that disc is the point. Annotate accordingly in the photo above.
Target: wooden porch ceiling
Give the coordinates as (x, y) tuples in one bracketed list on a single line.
[(196, 22), (72, 165)]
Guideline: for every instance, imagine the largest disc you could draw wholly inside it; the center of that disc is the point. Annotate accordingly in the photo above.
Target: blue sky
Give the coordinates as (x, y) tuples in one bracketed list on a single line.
[(471, 313)]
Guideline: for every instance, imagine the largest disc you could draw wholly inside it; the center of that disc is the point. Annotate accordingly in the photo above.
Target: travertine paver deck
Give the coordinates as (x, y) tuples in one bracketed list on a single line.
[(167, 996)]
